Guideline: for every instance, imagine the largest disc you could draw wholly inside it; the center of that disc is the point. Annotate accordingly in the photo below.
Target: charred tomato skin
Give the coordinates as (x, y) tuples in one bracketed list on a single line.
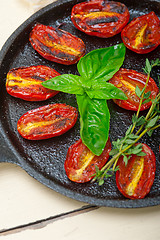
[(135, 180), (47, 121), (127, 80), (142, 34), (25, 82), (56, 45), (80, 161), (100, 18)]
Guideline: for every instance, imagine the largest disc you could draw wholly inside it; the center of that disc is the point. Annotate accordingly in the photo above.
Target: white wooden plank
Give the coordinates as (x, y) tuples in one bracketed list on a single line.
[(12, 14), (37, 4), (104, 223), (24, 200)]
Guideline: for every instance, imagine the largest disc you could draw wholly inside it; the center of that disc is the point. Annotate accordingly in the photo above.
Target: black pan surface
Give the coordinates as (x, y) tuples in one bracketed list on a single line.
[(44, 160)]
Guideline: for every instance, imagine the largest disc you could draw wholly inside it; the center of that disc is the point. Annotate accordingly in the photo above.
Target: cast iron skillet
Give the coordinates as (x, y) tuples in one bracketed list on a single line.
[(44, 160)]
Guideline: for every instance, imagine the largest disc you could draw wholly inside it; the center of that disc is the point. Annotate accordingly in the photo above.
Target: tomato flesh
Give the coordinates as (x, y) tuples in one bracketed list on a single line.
[(47, 121), (142, 34), (127, 80), (57, 45), (100, 18), (80, 161), (135, 180), (25, 83)]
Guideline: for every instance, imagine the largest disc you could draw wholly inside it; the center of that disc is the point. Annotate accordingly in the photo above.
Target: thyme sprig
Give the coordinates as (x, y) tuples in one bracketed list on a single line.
[(146, 124)]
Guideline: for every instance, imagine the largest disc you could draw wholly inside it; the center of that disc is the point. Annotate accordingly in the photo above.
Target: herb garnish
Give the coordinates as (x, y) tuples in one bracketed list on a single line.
[(126, 146), (92, 90)]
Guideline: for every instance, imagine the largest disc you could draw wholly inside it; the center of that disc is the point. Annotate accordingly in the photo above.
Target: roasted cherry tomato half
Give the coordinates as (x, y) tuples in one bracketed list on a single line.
[(25, 82), (47, 121), (56, 45), (100, 18), (136, 178), (142, 34), (80, 161), (127, 80)]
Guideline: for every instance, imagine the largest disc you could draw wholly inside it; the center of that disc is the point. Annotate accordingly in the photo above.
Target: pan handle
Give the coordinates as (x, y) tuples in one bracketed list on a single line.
[(6, 154)]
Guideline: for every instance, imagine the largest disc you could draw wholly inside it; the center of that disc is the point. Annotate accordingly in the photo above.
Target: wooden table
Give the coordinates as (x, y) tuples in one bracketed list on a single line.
[(30, 210)]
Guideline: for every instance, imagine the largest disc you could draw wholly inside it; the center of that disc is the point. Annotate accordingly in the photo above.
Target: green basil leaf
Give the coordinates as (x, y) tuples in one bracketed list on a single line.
[(102, 63), (105, 90), (67, 83), (94, 121)]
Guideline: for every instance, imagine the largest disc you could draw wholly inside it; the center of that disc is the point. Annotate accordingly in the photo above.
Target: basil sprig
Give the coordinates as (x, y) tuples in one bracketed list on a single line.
[(92, 90)]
